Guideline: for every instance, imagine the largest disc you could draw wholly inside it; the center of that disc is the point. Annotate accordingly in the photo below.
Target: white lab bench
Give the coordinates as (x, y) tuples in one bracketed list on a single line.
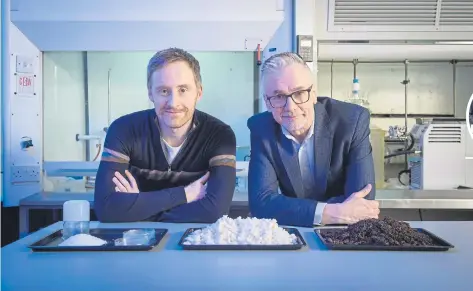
[(168, 267)]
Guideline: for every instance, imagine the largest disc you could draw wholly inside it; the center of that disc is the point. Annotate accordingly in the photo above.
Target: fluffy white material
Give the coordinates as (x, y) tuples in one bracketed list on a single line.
[(241, 231)]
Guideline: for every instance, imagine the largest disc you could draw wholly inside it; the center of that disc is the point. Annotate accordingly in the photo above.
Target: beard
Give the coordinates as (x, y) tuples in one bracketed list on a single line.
[(294, 125), (175, 117), (297, 127)]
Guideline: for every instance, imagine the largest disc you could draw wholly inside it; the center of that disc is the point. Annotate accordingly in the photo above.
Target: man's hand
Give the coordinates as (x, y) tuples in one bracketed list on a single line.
[(197, 189), (123, 185), (352, 210)]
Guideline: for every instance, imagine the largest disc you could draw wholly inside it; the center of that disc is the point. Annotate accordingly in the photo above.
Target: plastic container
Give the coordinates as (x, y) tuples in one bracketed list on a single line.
[(355, 97), (377, 143), (76, 218), (136, 237), (356, 88)]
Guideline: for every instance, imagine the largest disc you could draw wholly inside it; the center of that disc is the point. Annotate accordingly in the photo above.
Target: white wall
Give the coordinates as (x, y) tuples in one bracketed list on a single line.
[(430, 90)]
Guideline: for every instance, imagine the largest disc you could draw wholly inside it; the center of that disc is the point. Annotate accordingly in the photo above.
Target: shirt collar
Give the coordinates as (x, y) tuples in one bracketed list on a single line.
[(310, 133)]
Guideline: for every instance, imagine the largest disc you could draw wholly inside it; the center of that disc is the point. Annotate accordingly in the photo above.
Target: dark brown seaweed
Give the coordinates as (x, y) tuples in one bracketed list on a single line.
[(380, 232)]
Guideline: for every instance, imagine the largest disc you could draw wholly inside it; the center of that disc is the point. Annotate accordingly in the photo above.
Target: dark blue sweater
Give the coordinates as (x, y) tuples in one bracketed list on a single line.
[(133, 142)]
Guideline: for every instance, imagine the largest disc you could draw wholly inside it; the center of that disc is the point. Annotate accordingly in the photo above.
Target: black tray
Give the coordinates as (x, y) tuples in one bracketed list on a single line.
[(294, 231), (50, 243), (442, 245)]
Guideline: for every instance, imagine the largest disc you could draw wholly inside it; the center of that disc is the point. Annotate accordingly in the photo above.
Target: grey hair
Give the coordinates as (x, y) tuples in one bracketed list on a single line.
[(278, 61), (171, 55)]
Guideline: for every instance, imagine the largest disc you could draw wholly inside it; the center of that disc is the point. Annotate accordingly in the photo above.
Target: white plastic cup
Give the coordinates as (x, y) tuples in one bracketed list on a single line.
[(76, 218), (76, 210)]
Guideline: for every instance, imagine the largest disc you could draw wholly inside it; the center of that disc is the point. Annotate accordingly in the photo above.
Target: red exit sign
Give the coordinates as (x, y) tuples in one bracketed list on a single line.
[(25, 84)]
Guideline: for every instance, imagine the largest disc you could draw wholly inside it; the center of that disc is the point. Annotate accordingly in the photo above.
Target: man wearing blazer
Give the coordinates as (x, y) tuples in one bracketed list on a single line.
[(317, 151)]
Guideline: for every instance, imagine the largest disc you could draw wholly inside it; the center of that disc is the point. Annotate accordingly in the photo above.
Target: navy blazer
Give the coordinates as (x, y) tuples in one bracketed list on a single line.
[(343, 163)]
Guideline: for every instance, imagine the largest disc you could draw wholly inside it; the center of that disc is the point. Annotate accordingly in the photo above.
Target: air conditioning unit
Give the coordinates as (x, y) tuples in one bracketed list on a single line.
[(445, 162), (394, 20)]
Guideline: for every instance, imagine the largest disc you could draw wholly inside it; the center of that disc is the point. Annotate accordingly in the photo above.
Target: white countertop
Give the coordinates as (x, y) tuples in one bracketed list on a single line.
[(167, 267)]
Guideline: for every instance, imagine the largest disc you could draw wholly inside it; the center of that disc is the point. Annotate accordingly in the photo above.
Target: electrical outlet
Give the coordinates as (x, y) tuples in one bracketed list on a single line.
[(24, 64), (25, 174)]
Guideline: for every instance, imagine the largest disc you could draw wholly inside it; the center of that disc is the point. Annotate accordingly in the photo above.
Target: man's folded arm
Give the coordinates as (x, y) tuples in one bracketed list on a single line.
[(265, 201), (220, 185), (112, 206)]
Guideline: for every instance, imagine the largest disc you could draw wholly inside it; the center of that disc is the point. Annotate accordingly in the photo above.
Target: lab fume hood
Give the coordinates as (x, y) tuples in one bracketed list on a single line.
[(123, 25)]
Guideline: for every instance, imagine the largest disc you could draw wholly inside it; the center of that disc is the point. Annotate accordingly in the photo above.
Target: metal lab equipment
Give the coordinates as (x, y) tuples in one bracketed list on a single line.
[(446, 158)]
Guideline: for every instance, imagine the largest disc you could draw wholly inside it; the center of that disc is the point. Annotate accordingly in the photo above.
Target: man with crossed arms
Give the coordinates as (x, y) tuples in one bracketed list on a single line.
[(172, 163)]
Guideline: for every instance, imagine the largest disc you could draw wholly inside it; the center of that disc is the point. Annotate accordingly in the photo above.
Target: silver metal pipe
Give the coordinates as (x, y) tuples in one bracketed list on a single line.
[(454, 63), (398, 139), (256, 84), (406, 82), (355, 62), (87, 137), (86, 101), (109, 118)]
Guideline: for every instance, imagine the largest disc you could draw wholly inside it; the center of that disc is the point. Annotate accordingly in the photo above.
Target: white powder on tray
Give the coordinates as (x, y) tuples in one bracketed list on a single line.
[(83, 240), (241, 231)]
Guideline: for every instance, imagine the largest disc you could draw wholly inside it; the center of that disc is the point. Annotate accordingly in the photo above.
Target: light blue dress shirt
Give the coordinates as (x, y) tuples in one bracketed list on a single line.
[(306, 157)]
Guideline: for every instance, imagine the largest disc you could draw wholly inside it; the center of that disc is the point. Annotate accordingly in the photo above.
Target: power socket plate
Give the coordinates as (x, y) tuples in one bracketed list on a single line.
[(25, 174)]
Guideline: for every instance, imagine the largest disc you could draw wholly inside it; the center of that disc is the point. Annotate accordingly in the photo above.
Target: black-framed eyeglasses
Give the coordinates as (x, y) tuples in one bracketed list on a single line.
[(299, 97)]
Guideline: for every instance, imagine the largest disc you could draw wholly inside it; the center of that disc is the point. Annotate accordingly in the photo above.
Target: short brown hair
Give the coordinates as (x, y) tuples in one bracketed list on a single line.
[(171, 55)]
